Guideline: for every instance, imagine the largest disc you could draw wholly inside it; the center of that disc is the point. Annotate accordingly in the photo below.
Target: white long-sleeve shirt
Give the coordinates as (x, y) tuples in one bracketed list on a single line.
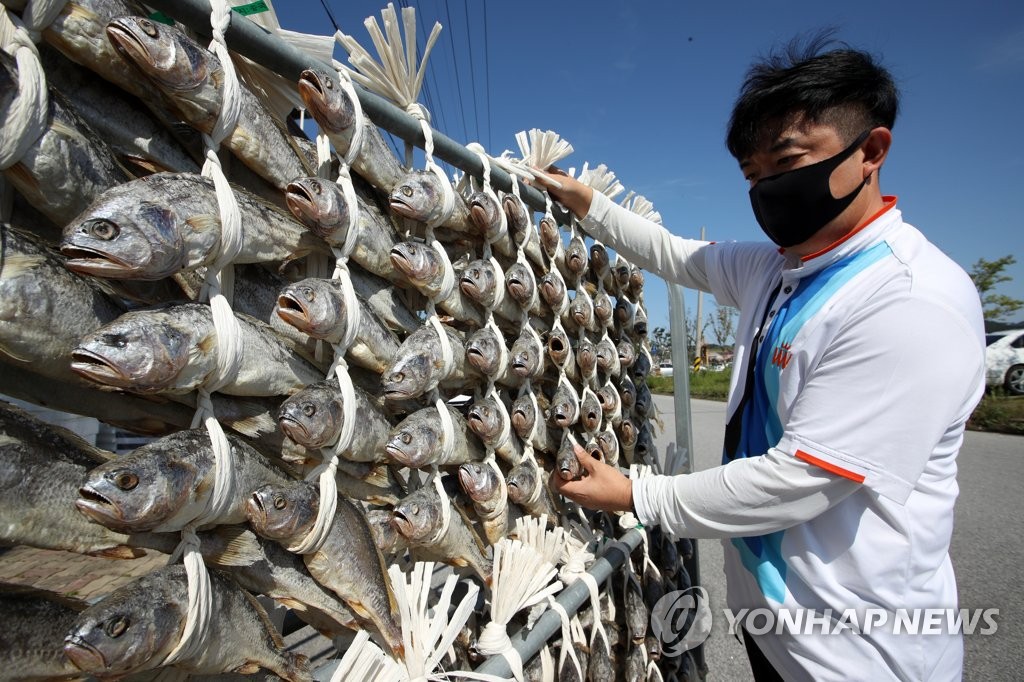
[(842, 490)]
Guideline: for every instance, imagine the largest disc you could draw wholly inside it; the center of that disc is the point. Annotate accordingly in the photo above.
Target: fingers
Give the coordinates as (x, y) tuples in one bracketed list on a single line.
[(586, 461)]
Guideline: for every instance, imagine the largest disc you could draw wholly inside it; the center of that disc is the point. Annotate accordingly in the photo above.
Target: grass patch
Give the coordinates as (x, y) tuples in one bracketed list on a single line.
[(704, 385), (997, 412)]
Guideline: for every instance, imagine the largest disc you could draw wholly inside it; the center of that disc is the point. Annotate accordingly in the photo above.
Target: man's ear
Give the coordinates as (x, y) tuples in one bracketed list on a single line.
[(876, 149)]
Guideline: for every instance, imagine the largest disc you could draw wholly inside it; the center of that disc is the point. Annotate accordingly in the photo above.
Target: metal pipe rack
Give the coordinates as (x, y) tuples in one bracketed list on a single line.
[(254, 42)]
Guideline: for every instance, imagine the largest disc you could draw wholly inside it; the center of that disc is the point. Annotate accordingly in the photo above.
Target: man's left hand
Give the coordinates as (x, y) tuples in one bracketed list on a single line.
[(601, 486)]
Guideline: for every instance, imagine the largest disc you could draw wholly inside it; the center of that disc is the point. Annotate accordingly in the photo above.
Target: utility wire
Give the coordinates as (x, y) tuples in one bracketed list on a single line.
[(458, 78), (472, 68), (487, 73), (330, 15)]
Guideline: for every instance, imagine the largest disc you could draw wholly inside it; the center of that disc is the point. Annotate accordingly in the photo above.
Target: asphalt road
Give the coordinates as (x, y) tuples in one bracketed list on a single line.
[(988, 555)]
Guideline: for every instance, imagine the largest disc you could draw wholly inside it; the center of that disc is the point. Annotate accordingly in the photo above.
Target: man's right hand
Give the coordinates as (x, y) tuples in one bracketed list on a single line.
[(569, 192)]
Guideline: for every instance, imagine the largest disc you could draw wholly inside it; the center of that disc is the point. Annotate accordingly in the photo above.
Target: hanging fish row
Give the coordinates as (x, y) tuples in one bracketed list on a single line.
[(113, 327)]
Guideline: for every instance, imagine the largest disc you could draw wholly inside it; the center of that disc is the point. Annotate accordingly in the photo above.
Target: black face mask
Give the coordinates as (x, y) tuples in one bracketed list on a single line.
[(790, 207)]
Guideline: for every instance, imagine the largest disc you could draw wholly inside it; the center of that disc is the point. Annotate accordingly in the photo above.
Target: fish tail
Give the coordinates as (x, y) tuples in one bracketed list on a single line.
[(296, 668)]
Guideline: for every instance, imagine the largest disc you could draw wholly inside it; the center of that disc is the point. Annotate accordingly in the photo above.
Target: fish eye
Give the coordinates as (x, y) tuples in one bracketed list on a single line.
[(398, 376), (416, 510), (309, 409), (309, 293), (103, 229), (126, 480), (115, 340), (407, 190), (329, 83), (149, 28), (116, 626), (279, 501), (405, 437), (316, 186)]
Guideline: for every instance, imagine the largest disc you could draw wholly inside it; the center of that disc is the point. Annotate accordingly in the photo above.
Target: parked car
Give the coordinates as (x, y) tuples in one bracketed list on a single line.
[(1004, 360), (665, 369)]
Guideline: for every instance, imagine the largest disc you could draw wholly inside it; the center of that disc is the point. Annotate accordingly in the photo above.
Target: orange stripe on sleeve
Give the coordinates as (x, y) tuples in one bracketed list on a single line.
[(828, 466)]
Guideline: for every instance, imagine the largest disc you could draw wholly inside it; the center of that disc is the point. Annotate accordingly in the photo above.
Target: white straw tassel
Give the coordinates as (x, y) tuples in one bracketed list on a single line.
[(541, 148), (641, 206), (364, 660), (522, 578), (601, 180)]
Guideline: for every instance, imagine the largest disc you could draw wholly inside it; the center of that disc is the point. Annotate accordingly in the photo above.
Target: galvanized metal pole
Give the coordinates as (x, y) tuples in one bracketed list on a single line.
[(528, 642), (256, 43)]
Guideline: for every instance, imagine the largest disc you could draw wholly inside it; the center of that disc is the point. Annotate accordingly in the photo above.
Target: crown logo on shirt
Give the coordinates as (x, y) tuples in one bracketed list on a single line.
[(781, 355)]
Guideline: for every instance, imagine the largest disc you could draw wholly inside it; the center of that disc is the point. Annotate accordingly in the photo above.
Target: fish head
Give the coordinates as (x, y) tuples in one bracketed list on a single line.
[(417, 261), (326, 100), (606, 354), (121, 237), (130, 629), (567, 463), (525, 357), (313, 306), (558, 345), (517, 214), (520, 282), (485, 212), (645, 443), (576, 255), (603, 308), (139, 491), (627, 393), (283, 512), (590, 412), (483, 350), (594, 449), (609, 399), (523, 480), (139, 351), (564, 411), (408, 378), (484, 419), (523, 415), (162, 53), (312, 417), (586, 354), (609, 445), (641, 367), (582, 308), (416, 440), (627, 353), (318, 204), (418, 516), (552, 289), (479, 480), (636, 279), (599, 261), (479, 282), (627, 432), (418, 196), (620, 271), (550, 238)]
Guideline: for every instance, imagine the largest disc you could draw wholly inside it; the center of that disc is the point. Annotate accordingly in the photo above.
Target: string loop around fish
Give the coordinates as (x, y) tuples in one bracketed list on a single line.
[(27, 113)]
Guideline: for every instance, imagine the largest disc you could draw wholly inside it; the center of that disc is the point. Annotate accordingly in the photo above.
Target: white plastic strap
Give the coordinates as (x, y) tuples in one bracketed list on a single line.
[(565, 297), (489, 191), (448, 272), (26, 117), (446, 346), (568, 648), (506, 422), (502, 350), (499, 290), (316, 536), (595, 604), (447, 430), (502, 485), (352, 311), (356, 144), (446, 507), (200, 601)]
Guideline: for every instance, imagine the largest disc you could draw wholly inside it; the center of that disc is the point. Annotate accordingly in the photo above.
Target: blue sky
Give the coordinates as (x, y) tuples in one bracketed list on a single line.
[(646, 88)]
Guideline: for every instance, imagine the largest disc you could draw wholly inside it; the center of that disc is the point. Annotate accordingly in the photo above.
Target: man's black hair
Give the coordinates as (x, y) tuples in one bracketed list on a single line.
[(845, 88)]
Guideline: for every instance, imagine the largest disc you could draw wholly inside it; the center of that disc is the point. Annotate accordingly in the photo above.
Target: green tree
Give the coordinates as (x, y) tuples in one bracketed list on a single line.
[(723, 324), (986, 275), (663, 342)]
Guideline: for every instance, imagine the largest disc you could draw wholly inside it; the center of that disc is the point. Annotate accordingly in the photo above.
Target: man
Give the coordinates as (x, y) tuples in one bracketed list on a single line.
[(859, 358)]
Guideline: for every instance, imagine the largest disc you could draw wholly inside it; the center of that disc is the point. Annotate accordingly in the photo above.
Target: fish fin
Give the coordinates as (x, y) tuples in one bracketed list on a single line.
[(21, 176), (297, 669), (204, 223), (17, 264), (208, 343), (249, 668), (138, 166), (8, 353), (241, 548), (359, 609), (119, 552), (472, 530), (265, 619)]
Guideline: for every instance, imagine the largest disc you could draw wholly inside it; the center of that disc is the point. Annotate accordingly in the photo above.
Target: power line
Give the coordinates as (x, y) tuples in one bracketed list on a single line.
[(458, 78), (472, 68), (487, 75), (330, 15)]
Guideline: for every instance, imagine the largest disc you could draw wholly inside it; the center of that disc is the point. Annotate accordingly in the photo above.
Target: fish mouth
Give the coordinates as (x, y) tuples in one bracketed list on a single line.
[(96, 506), (469, 286), (402, 207), (256, 512), (88, 261), (401, 523), (128, 45), (520, 421), (314, 96), (468, 480), (401, 456), (294, 429), (83, 655), (291, 310), (483, 218), (300, 202), (97, 368)]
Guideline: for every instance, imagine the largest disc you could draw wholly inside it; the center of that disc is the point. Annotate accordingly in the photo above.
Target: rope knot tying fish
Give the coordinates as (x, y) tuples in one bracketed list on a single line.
[(25, 119)]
